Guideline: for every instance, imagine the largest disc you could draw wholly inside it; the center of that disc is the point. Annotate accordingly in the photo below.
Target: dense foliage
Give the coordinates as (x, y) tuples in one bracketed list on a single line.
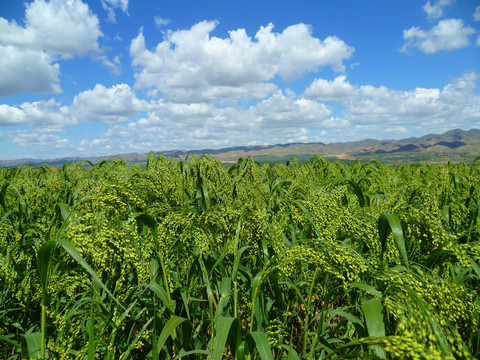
[(191, 259)]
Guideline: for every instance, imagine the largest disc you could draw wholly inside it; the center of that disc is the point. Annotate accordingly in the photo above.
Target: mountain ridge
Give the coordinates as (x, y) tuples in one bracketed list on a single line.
[(455, 145)]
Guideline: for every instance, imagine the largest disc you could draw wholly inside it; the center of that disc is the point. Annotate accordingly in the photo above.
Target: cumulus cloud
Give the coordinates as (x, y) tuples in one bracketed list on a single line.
[(23, 70), (448, 34), (337, 90), (52, 30), (41, 142), (282, 111), (114, 105), (138, 125), (12, 116), (276, 113), (134, 124), (44, 115), (282, 117), (456, 104), (168, 114), (435, 10), (108, 105), (66, 28), (191, 61)]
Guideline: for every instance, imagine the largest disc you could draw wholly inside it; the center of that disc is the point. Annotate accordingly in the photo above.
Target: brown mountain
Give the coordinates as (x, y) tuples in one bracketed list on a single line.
[(455, 145)]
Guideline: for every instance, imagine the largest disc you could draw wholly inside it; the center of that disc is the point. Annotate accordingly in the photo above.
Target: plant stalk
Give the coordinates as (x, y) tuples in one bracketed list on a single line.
[(42, 354)]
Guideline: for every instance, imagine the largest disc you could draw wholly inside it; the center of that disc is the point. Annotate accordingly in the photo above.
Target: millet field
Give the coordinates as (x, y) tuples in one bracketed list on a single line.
[(194, 260)]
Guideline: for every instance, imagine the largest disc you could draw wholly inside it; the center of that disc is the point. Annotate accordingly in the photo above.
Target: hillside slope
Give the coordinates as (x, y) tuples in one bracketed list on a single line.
[(455, 146)]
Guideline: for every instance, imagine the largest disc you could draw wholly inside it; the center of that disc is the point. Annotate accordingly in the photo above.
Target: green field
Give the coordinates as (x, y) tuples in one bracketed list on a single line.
[(194, 260)]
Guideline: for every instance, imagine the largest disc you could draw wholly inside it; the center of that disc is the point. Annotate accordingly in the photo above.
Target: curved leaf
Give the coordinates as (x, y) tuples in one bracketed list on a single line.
[(372, 309), (32, 345), (44, 257), (70, 248), (226, 327), (391, 223), (169, 330), (261, 344)]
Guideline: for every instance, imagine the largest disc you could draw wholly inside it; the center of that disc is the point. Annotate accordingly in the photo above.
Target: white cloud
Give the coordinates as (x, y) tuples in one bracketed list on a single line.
[(110, 5), (107, 105), (134, 124), (52, 30), (476, 14), (44, 115), (448, 34), (397, 107), (282, 111), (114, 105), (159, 21), (457, 104), (190, 65), (23, 70), (281, 118), (42, 141), (338, 90), (11, 116), (66, 28), (167, 114), (435, 11)]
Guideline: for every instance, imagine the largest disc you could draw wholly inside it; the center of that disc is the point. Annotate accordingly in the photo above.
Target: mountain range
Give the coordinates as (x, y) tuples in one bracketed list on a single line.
[(455, 146)]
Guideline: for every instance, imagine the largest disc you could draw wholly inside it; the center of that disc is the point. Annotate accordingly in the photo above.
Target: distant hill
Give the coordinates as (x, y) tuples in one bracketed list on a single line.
[(455, 146)]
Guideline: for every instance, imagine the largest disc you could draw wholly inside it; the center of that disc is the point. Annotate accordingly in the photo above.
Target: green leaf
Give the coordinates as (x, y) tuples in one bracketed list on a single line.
[(358, 191), (391, 223), (5, 217), (261, 344), (184, 354), (158, 290), (372, 309), (226, 326), (206, 281), (44, 257), (32, 345), (169, 330), (149, 221), (146, 219), (368, 288), (241, 351), (350, 317), (61, 211), (70, 249)]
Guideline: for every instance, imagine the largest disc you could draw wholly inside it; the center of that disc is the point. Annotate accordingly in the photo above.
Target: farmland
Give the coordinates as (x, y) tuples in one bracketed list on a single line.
[(193, 260)]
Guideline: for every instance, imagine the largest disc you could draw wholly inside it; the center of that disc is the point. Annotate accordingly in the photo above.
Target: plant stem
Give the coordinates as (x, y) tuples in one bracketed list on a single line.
[(307, 309), (43, 332)]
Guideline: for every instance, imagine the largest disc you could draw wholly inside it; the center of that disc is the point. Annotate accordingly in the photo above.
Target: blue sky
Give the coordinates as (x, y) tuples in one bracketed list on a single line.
[(100, 77)]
